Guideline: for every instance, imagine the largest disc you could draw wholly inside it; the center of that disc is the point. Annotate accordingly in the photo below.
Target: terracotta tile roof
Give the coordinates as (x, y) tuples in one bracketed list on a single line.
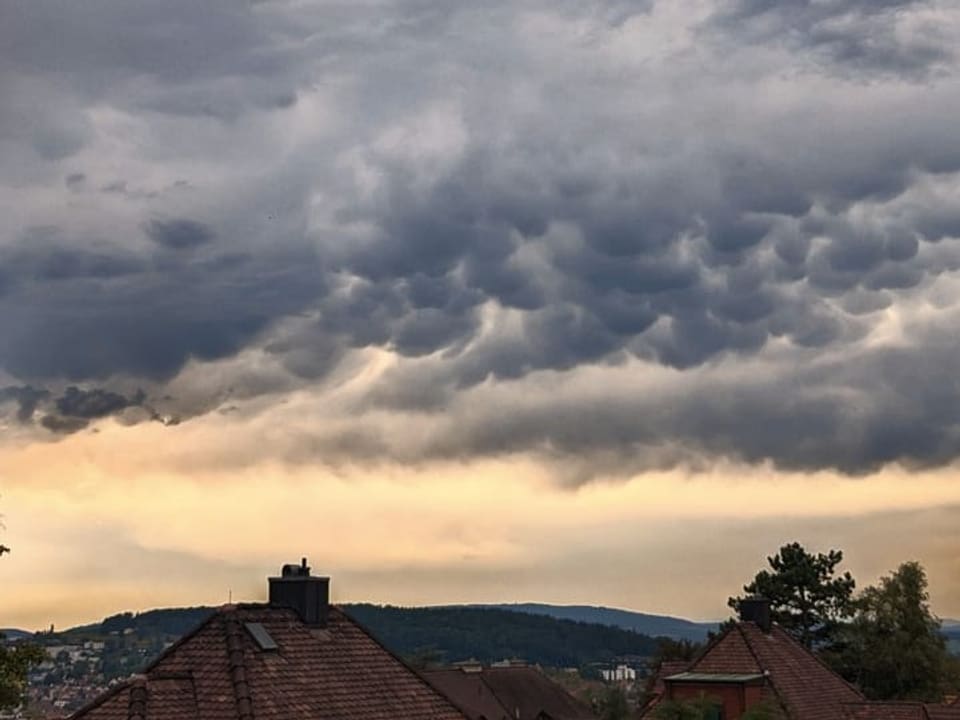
[(507, 693), (219, 672), (901, 710), (946, 711), (467, 690), (795, 679), (885, 711)]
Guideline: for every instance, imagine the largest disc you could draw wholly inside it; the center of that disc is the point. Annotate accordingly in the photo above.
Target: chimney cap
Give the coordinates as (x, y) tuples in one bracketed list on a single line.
[(290, 570)]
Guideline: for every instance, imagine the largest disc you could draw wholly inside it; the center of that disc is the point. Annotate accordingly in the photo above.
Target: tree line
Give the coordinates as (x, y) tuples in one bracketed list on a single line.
[(885, 639)]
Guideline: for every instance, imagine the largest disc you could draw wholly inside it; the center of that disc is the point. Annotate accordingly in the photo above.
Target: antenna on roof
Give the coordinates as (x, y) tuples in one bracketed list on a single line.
[(230, 596)]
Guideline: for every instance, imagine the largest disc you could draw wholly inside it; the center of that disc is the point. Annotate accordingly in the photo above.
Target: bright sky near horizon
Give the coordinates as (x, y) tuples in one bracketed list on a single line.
[(546, 300)]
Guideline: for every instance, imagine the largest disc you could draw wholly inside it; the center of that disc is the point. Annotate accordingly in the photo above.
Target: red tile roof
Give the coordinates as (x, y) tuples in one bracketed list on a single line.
[(946, 711), (796, 680), (901, 710), (219, 672), (507, 693), (468, 692)]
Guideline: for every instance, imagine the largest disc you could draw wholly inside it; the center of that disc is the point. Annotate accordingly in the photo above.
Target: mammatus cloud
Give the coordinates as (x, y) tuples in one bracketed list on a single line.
[(751, 207)]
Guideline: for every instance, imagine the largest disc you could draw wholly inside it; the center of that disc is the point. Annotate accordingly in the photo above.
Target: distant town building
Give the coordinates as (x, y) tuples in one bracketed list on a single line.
[(621, 673)]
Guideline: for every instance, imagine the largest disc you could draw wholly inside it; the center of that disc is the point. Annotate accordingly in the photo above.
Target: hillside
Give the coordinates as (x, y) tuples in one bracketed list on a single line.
[(451, 634), (652, 625), (437, 634)]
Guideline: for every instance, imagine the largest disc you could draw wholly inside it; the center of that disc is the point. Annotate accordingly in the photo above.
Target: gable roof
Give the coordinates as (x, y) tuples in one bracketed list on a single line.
[(507, 693), (796, 679), (220, 672), (467, 690)]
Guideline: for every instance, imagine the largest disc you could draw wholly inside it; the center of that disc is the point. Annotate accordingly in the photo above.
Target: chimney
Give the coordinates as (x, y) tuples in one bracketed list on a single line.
[(297, 589), (756, 610)]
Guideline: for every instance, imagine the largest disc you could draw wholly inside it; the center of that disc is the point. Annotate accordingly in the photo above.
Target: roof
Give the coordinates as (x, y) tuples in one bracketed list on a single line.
[(220, 672), (901, 710), (665, 670), (696, 677), (507, 693), (799, 682), (795, 679)]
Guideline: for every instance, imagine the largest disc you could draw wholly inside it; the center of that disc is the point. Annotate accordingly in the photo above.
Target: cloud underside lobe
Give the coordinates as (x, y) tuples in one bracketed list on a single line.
[(619, 237)]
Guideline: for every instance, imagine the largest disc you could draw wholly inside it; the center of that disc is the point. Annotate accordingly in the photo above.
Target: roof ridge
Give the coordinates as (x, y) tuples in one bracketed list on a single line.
[(183, 639), (497, 697), (781, 700), (104, 697), (137, 702), (237, 668), (711, 644)]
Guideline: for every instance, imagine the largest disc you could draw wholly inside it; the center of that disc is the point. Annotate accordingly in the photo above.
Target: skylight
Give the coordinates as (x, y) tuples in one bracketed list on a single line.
[(260, 635)]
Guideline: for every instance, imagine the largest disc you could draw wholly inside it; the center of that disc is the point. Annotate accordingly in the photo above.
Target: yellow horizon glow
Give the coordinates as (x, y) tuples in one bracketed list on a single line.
[(490, 526)]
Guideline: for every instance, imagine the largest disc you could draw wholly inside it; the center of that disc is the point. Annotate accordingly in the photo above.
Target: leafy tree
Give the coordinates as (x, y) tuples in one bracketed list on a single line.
[(702, 707), (614, 705), (15, 663), (764, 710), (893, 649), (808, 598), (670, 649)]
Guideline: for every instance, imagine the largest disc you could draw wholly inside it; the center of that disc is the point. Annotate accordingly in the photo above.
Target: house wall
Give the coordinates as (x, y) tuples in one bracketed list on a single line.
[(734, 697)]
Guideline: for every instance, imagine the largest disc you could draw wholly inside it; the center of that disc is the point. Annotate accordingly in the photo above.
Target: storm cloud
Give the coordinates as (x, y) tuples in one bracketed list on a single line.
[(236, 202)]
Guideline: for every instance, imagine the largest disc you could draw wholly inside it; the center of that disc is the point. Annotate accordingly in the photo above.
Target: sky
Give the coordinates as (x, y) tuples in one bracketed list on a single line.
[(577, 302)]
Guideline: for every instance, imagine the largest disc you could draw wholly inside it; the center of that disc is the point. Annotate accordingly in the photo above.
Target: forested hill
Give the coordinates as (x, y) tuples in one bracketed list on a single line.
[(440, 634), (451, 634), (643, 623)]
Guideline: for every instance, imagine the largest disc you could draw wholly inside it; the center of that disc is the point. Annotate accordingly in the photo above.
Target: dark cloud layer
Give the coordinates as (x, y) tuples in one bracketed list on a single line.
[(859, 36), (488, 194)]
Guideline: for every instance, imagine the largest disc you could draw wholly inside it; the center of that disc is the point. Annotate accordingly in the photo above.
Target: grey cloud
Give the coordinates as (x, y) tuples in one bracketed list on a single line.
[(863, 36), (27, 399), (73, 409), (95, 403), (80, 316), (854, 415), (179, 234), (487, 193)]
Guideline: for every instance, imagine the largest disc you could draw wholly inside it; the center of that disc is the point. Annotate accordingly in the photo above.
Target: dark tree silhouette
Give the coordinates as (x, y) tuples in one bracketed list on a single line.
[(808, 598)]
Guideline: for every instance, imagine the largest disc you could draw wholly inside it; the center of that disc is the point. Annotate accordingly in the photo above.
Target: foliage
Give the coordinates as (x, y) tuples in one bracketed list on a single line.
[(702, 707), (669, 649), (893, 649), (614, 705), (425, 658), (807, 597), (489, 635), (15, 662), (764, 710)]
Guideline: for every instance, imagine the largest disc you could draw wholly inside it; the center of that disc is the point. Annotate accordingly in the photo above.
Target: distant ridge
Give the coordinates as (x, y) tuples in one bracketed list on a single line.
[(14, 634), (643, 623)]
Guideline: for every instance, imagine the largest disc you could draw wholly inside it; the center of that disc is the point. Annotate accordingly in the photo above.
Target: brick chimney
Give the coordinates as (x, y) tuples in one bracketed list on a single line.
[(756, 610), (297, 589)]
